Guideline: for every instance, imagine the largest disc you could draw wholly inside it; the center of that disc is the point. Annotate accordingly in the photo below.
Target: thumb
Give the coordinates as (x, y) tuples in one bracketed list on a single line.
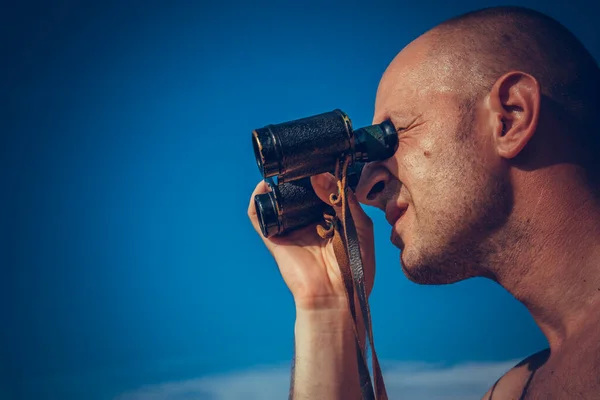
[(325, 184)]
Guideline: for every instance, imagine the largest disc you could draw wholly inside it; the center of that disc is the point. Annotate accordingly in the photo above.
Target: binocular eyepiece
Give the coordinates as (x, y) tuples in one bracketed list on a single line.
[(294, 151)]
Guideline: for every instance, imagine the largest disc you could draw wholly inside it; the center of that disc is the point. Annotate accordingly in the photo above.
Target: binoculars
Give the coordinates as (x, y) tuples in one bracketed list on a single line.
[(289, 153)]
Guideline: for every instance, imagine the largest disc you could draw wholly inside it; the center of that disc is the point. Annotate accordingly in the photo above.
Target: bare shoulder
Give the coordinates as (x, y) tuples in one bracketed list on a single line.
[(571, 373), (514, 383)]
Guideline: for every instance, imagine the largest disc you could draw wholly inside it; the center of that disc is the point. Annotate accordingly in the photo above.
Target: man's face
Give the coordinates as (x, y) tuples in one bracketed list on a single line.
[(444, 191)]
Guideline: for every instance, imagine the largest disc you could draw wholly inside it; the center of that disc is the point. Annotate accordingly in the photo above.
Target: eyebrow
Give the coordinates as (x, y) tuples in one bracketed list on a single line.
[(386, 115), (404, 117), (396, 115)]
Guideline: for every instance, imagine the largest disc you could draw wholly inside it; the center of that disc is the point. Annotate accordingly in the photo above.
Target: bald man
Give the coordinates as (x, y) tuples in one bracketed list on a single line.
[(496, 175)]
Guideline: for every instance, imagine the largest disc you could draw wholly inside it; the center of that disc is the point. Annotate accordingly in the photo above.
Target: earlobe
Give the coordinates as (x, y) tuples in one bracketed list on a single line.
[(515, 101)]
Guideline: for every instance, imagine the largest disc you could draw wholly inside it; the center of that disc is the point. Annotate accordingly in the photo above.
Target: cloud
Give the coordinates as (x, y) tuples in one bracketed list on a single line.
[(438, 382), (403, 381)]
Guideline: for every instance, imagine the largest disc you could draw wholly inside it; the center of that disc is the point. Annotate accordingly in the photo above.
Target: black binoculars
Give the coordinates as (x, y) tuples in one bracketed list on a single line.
[(292, 152)]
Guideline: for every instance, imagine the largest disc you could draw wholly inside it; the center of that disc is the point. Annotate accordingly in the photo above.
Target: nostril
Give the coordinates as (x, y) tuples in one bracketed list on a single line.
[(375, 190)]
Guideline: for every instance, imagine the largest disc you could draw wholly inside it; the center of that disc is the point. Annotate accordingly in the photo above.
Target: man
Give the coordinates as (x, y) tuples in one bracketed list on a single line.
[(496, 175)]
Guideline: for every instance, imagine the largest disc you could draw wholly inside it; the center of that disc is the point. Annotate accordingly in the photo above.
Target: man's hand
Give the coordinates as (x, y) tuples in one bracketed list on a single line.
[(325, 363), (307, 262)]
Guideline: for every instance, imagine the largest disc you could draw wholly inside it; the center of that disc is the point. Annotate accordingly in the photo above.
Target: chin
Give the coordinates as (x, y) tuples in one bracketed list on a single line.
[(417, 270)]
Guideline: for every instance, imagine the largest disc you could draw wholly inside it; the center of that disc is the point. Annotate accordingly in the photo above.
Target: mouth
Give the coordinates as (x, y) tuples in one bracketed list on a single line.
[(395, 212), (393, 215)]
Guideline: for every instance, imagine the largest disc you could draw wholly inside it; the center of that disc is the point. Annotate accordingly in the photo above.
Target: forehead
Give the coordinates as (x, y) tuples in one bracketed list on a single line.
[(412, 80)]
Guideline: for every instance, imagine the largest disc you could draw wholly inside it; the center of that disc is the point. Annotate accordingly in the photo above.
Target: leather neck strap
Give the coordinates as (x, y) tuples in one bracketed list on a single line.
[(346, 246)]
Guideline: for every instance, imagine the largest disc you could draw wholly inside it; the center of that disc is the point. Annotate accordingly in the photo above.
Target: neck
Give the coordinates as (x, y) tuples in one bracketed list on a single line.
[(555, 261)]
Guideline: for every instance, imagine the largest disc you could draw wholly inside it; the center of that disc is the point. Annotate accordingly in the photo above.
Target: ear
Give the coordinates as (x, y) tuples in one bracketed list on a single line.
[(515, 104)]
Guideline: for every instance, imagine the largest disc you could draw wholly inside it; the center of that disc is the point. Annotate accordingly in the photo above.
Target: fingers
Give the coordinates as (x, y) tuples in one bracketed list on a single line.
[(325, 185), (358, 213)]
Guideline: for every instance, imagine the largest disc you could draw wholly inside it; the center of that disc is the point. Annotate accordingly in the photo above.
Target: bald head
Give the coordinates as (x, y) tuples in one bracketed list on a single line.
[(489, 42), (483, 45)]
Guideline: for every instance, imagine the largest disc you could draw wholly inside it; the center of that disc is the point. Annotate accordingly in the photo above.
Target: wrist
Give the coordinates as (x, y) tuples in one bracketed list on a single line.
[(331, 317), (325, 362), (321, 303), (333, 326)]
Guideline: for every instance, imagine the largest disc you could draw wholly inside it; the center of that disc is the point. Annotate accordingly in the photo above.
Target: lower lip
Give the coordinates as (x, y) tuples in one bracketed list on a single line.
[(396, 225)]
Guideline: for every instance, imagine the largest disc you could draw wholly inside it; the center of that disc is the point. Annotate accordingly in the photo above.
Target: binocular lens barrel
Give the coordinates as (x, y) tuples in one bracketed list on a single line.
[(310, 146), (268, 214), (288, 206), (375, 142), (304, 147)]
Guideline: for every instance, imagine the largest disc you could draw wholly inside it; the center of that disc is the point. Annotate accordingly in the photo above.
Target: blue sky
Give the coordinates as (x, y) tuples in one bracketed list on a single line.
[(130, 269)]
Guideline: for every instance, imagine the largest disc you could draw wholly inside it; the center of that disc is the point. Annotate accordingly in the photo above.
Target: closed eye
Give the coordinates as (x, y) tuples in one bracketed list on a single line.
[(411, 125)]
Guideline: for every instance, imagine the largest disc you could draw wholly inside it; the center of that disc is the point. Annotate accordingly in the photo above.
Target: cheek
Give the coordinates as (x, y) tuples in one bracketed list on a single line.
[(417, 159), (434, 179)]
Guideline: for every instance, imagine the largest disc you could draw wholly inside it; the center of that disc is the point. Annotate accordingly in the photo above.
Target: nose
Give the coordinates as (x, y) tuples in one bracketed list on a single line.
[(375, 181)]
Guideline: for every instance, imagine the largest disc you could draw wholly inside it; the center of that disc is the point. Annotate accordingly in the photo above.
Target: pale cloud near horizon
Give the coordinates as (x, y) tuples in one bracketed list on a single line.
[(404, 380)]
